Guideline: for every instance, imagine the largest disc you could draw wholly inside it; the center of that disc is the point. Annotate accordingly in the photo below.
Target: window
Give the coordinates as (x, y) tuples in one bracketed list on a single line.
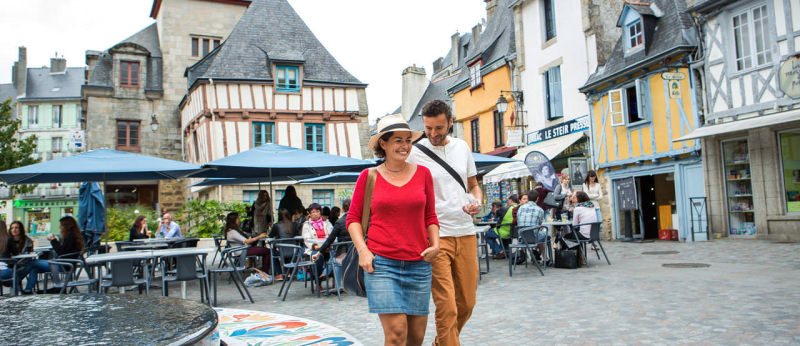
[(206, 46), (263, 133), (315, 137), (216, 44), (287, 78), (474, 134), (195, 46), (549, 20), (56, 144), (790, 163), (630, 104), (475, 75), (498, 129), (323, 197), (750, 38), (249, 196), (129, 74), (635, 34), (33, 116), (57, 116), (552, 88), (196, 147), (127, 135)]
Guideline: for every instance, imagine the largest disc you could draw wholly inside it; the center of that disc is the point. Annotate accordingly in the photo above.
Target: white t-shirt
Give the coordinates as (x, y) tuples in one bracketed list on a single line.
[(450, 196)]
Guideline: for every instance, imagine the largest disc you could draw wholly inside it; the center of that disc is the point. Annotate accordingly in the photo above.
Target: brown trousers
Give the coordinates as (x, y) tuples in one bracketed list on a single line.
[(455, 281)]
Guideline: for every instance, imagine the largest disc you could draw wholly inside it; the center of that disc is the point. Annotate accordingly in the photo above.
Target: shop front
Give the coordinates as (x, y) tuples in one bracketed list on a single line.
[(565, 144), (42, 216), (752, 169)]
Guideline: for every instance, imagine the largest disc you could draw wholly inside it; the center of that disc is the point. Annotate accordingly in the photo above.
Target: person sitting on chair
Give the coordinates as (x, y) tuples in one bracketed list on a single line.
[(583, 213), (499, 237), (23, 241), (235, 238), (169, 228), (530, 215), (339, 234), (70, 246), (315, 231)]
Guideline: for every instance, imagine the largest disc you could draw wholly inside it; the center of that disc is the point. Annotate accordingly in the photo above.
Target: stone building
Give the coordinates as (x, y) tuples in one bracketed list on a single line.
[(48, 107), (272, 81), (134, 88), (748, 77)]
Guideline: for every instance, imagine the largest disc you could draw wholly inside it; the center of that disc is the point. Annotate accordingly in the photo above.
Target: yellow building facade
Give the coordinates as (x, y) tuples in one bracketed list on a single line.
[(477, 107)]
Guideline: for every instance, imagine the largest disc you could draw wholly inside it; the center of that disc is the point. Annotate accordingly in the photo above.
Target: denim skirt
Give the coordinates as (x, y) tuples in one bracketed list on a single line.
[(398, 287)]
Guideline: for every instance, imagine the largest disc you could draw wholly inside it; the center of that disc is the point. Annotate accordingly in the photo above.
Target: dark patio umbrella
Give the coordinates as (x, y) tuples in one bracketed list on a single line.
[(99, 165)]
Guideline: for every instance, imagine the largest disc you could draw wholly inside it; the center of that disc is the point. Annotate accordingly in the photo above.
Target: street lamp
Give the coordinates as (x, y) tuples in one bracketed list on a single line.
[(502, 104), (153, 123)]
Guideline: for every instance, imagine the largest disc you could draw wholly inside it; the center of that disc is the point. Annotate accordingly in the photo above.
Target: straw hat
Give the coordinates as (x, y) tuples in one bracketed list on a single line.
[(391, 123)]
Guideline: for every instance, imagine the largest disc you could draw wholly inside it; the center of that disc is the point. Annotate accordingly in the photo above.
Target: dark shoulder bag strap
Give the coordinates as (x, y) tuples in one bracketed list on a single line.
[(367, 201), (443, 164)]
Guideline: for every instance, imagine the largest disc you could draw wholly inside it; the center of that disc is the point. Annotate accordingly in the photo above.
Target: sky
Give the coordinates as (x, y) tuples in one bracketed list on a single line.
[(373, 39)]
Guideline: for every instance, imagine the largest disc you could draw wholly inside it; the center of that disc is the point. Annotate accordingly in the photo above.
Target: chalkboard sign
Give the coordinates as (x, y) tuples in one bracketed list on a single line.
[(626, 194)]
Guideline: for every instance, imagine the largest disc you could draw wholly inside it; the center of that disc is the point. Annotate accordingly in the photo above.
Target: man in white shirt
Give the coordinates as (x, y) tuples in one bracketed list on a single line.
[(169, 228), (455, 269)]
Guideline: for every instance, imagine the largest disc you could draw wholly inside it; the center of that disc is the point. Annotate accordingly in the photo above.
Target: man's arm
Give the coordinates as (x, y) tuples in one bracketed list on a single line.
[(173, 231), (475, 190)]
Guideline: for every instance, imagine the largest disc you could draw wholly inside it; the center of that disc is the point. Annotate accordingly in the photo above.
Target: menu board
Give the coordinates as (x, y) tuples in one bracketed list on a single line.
[(626, 194)]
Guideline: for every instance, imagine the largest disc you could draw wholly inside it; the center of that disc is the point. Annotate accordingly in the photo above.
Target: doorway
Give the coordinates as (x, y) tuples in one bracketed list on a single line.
[(657, 206)]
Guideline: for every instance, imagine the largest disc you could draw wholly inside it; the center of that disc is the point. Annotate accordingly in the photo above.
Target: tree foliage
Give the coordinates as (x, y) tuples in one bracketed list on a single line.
[(203, 219), (120, 220), (15, 152)]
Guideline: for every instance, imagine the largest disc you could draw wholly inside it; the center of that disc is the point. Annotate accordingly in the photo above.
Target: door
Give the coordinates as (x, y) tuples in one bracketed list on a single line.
[(695, 220)]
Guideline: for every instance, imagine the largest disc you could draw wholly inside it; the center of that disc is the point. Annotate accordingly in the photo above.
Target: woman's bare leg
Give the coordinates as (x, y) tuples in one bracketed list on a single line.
[(395, 329), (416, 330)]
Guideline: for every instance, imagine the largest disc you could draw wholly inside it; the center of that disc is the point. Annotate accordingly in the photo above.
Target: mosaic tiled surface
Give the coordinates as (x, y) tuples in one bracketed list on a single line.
[(247, 327)]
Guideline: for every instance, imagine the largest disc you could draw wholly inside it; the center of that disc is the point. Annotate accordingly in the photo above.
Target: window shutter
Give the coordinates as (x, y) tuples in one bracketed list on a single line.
[(555, 77), (547, 95), (615, 107), (24, 117), (643, 95)]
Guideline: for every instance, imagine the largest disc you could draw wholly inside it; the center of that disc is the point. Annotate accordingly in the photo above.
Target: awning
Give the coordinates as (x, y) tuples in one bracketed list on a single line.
[(743, 125), (550, 148)]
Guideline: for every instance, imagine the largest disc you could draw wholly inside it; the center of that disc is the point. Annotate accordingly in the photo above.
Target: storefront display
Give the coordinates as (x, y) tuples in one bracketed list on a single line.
[(42, 216), (738, 188), (790, 163)]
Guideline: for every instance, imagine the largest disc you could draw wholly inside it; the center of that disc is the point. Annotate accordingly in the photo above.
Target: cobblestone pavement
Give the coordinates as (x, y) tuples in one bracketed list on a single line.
[(749, 295)]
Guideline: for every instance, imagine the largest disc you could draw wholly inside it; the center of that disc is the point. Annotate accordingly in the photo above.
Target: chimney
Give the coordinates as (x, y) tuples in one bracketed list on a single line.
[(437, 65), (476, 34), (58, 65), (414, 84), (490, 7), (454, 49), (20, 72)]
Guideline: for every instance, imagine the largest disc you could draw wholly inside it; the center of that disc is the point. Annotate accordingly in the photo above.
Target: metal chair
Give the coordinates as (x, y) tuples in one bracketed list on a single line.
[(333, 264), (66, 275), (483, 247), (123, 274), (12, 281), (232, 261), (527, 242), (218, 244), (293, 266), (187, 268), (594, 237)]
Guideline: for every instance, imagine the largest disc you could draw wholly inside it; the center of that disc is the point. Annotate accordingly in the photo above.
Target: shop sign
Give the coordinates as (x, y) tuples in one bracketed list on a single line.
[(76, 139), (674, 89), (44, 204), (672, 76), (789, 76), (579, 148), (514, 138), (563, 129)]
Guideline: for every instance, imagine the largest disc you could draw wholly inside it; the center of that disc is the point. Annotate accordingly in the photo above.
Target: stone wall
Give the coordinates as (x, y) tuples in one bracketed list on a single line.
[(600, 19)]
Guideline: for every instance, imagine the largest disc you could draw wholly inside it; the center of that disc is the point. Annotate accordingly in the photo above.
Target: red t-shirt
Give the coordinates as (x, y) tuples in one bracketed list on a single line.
[(399, 215)]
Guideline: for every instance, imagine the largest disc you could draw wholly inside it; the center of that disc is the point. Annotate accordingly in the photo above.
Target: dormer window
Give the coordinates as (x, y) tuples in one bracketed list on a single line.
[(475, 75), (287, 78), (129, 74), (635, 34)]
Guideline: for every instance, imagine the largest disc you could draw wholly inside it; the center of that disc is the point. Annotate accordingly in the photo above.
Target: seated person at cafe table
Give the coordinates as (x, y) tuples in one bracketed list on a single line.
[(233, 233), (530, 215), (492, 214), (139, 229), (283, 229), (169, 228), (339, 234), (71, 244), (23, 241), (501, 233), (583, 213), (315, 230), (7, 249)]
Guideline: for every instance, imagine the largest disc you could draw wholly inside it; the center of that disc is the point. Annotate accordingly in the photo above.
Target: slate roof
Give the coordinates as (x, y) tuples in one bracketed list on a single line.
[(8, 91), (42, 84), (496, 41), (672, 30), (436, 90), (270, 31), (147, 39), (704, 6)]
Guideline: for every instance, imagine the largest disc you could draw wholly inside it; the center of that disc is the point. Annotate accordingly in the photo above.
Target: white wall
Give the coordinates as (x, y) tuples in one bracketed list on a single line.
[(570, 48)]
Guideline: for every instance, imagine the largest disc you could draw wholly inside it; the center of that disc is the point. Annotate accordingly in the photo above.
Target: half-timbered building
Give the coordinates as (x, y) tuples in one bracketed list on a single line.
[(272, 81), (750, 65), (641, 100)]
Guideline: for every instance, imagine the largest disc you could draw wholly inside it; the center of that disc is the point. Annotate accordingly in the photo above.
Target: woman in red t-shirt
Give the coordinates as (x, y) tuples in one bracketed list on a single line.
[(403, 236)]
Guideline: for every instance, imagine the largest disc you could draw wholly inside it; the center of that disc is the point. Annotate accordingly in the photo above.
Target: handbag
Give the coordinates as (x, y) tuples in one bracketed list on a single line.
[(550, 200), (258, 278), (352, 273), (567, 259)]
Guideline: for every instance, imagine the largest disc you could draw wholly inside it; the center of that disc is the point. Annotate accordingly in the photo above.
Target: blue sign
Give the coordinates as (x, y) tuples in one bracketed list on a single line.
[(563, 129)]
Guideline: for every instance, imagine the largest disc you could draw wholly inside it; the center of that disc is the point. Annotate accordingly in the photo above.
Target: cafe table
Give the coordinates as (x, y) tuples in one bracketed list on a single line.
[(14, 261), (82, 319)]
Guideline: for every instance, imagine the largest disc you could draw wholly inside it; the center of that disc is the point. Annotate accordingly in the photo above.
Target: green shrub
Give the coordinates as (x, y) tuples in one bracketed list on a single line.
[(203, 219), (120, 220)]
